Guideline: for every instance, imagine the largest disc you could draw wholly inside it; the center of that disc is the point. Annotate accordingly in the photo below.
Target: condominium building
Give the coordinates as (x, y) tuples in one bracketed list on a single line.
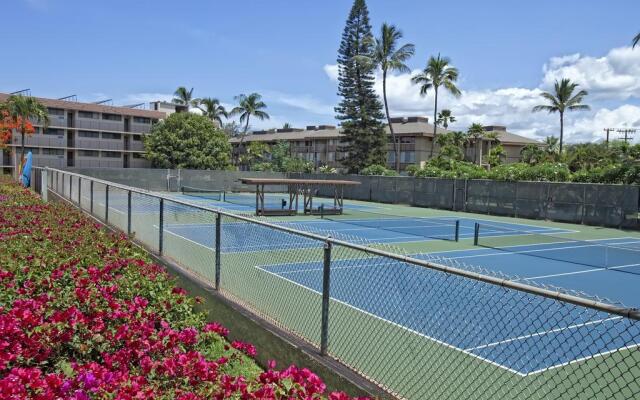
[(322, 144), (87, 135)]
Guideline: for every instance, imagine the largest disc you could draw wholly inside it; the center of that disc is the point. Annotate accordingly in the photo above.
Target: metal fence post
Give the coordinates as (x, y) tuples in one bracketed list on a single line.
[(217, 266), (129, 212), (476, 233), (457, 230), (106, 203), (326, 286), (44, 184), (161, 226), (80, 193), (91, 197)]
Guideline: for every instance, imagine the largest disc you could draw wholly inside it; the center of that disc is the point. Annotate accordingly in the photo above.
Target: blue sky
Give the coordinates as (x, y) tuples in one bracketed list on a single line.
[(506, 52)]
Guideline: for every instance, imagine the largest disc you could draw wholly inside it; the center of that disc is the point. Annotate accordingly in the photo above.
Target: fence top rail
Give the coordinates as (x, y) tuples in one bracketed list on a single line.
[(631, 313), (279, 181)]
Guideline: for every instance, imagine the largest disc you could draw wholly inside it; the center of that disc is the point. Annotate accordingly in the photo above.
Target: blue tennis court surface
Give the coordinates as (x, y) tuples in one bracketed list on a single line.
[(385, 230), (526, 349)]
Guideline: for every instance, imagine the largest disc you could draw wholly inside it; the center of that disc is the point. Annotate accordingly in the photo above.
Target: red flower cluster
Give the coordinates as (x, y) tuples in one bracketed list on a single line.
[(84, 315)]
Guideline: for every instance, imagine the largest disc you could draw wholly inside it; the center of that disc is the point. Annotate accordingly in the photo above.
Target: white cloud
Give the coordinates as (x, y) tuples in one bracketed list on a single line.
[(613, 78), (332, 71), (304, 102)]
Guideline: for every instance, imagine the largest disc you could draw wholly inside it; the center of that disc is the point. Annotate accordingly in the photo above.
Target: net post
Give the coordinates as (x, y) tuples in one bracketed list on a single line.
[(476, 232), (217, 247), (106, 203), (91, 197), (161, 227), (321, 211), (129, 212), (457, 230), (326, 284)]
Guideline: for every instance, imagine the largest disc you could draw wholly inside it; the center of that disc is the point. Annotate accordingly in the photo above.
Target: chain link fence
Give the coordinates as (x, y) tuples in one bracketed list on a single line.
[(420, 328)]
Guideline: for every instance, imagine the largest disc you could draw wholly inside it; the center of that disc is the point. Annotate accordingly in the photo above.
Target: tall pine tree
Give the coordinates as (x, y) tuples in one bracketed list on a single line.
[(360, 110)]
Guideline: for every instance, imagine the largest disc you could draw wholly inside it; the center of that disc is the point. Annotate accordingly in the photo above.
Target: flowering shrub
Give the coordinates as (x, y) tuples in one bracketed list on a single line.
[(85, 315)]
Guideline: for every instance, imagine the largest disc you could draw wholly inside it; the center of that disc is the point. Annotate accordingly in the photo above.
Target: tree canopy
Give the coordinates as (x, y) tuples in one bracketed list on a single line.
[(360, 110), (187, 140)]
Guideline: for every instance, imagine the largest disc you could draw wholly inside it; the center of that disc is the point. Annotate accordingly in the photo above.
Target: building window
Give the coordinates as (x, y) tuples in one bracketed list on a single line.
[(407, 140), (53, 152), (53, 131), (138, 155), (391, 157), (89, 134), (33, 150), (106, 135), (142, 120), (110, 154), (55, 111), (137, 138), (112, 117), (331, 156), (408, 156), (87, 114), (89, 153)]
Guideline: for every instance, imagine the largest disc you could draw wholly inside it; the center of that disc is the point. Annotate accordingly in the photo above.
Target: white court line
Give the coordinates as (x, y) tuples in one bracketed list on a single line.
[(584, 271), (577, 360), (542, 333), (440, 342), (470, 218), (525, 252)]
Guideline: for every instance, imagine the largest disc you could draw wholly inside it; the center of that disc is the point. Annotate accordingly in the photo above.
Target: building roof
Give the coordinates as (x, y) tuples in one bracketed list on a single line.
[(100, 108), (408, 126)]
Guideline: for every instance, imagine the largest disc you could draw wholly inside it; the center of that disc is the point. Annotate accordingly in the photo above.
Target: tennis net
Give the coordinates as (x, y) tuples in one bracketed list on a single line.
[(271, 200), (621, 254), (412, 227), (210, 194)]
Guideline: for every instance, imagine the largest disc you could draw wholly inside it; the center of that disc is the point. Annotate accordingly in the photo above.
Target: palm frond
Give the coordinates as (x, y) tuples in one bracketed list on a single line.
[(549, 109), (636, 40)]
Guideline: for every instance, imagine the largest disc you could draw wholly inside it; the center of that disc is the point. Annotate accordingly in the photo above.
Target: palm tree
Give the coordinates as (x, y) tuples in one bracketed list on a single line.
[(476, 133), (444, 117), (636, 40), (562, 100), (184, 97), (248, 106), (212, 109), (437, 73), (287, 125), (389, 57), (22, 108), (531, 154), (551, 146)]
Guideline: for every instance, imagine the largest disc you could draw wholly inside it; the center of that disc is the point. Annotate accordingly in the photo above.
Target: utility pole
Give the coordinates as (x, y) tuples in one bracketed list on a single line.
[(608, 130), (628, 134)]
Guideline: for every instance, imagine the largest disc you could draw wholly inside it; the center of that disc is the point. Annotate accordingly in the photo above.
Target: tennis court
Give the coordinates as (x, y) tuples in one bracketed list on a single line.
[(508, 342), (382, 230)]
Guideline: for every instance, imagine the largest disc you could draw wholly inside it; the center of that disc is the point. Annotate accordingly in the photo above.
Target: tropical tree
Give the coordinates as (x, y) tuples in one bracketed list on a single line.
[(287, 125), (255, 152), (532, 154), (187, 140), (551, 147), (212, 109), (561, 100), (184, 97), (249, 106), (437, 73), (444, 117), (492, 137), (360, 110), (20, 110), (476, 133), (636, 40), (390, 56)]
